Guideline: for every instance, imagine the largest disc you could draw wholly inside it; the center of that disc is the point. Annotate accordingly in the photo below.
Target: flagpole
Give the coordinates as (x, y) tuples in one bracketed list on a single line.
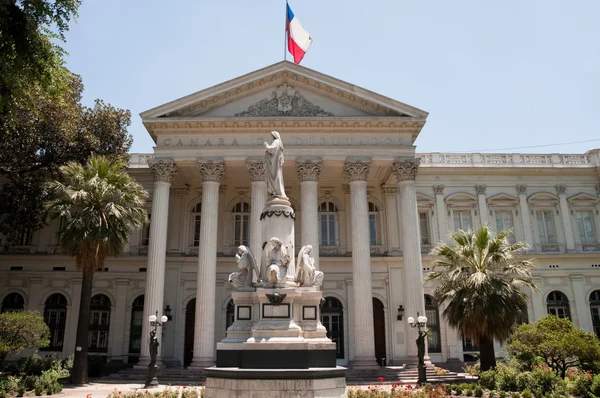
[(285, 33)]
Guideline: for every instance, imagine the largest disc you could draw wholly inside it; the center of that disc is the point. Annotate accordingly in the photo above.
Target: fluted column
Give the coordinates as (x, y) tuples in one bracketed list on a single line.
[(163, 170), (392, 220), (364, 337), (483, 211), (406, 173), (204, 328), (308, 174), (524, 210), (442, 215), (565, 216), (258, 185)]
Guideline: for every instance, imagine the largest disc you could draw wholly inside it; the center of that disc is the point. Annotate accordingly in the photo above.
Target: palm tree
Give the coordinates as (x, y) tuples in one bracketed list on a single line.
[(483, 285), (98, 206)]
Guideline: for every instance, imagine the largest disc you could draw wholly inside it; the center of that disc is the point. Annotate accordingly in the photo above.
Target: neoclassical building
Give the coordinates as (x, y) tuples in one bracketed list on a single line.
[(369, 204)]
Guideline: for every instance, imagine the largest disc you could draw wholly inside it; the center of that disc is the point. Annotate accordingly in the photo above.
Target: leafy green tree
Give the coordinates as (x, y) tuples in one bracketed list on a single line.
[(98, 205), (21, 330), (483, 285), (560, 344)]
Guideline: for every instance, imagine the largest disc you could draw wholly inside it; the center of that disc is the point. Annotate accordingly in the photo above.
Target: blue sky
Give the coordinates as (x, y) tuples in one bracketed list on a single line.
[(492, 75)]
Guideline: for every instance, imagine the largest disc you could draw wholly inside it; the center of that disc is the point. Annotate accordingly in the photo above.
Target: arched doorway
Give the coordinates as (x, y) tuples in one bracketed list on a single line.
[(13, 302), (595, 310), (190, 321), (379, 329), (332, 317)]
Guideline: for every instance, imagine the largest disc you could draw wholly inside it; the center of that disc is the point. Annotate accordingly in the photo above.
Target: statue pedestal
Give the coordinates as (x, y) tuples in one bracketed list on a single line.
[(277, 220)]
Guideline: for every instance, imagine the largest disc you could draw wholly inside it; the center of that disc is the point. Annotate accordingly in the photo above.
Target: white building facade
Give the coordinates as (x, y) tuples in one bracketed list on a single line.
[(371, 205)]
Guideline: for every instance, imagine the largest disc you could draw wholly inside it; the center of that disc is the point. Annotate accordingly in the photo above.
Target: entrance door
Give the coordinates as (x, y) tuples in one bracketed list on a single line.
[(379, 328), (190, 320)]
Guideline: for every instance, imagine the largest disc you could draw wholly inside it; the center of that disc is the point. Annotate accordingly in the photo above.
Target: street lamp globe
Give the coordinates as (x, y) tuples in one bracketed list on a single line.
[(422, 319), (411, 320), (152, 318), (163, 318)]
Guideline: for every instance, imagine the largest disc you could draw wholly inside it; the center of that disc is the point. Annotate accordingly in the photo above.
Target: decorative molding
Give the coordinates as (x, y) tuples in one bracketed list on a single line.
[(346, 189), (438, 189), (277, 213), (308, 170), (480, 189), (357, 170), (256, 168), (390, 190), (561, 189), (284, 101), (179, 191), (521, 189), (163, 170), (406, 169), (212, 170), (222, 189)]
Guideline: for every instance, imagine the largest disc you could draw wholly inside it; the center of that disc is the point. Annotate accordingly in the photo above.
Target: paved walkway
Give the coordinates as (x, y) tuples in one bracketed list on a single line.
[(102, 390)]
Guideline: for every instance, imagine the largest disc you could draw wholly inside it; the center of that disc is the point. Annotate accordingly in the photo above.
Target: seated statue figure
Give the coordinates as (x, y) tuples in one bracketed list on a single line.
[(247, 265), (308, 275), (277, 260)]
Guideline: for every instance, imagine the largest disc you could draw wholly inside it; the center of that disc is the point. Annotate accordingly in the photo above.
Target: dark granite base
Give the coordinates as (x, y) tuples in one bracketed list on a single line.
[(275, 374), (276, 359)]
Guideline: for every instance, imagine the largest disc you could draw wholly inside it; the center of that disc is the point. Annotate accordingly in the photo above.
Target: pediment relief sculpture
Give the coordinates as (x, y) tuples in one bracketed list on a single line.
[(284, 101)]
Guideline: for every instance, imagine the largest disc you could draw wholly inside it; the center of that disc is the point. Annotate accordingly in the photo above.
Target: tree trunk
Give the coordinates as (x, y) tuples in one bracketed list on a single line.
[(486, 353), (79, 374)]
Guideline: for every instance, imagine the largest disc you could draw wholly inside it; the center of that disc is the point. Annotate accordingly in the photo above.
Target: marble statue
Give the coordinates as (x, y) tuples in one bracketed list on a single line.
[(277, 260), (308, 275), (274, 166), (247, 265)]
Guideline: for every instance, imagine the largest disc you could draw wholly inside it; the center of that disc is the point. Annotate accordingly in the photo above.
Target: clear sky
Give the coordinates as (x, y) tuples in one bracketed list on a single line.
[(492, 74)]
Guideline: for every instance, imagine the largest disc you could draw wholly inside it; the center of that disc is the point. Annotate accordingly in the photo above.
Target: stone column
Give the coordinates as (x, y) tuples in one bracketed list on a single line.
[(565, 216), (582, 306), (391, 219), (483, 210), (538, 301), (163, 170), (204, 329), (524, 210), (256, 168), (364, 336), (442, 215), (406, 173), (117, 337), (308, 174)]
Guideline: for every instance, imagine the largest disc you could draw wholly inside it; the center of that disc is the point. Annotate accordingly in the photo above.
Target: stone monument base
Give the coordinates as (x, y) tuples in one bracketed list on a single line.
[(275, 383)]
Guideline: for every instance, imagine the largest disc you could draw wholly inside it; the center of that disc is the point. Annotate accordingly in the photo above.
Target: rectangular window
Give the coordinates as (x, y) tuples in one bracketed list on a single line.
[(545, 221), (585, 226), (504, 220), (98, 330), (145, 233), (373, 229), (25, 236), (424, 228), (462, 220), (197, 230), (328, 237)]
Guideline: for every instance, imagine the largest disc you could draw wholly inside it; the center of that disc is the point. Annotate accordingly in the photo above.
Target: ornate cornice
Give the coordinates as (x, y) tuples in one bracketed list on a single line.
[(480, 189), (211, 170), (390, 190), (163, 170), (406, 169), (256, 168), (179, 191), (308, 170), (438, 189), (561, 189), (521, 189), (357, 170)]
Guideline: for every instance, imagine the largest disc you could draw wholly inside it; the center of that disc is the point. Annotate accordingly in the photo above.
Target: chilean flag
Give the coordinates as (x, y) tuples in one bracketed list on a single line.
[(298, 39)]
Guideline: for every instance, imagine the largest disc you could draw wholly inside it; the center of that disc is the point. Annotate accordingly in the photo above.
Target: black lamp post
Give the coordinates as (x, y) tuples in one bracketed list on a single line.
[(152, 381), (420, 325)]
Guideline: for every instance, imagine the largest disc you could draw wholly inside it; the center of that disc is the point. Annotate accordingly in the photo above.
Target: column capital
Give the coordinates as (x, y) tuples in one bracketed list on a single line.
[(522, 189), (390, 190), (308, 170), (256, 168), (438, 189), (357, 170), (480, 189), (163, 170), (561, 189), (406, 169), (211, 170)]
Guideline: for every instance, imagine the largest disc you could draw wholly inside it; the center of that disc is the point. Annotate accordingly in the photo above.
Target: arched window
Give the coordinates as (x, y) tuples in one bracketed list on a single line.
[(195, 223), (229, 314), (433, 323), (241, 223), (13, 302), (55, 316), (99, 323), (332, 317), (374, 224), (558, 305), (595, 310), (145, 237), (328, 216), (135, 329)]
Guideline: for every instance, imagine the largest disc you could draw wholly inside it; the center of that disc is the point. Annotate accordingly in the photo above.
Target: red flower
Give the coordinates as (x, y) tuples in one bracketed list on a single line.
[(88, 396), (10, 377), (380, 378)]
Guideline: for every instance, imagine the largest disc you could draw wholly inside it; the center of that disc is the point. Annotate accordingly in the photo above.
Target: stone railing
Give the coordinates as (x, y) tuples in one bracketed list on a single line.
[(504, 160), (549, 248), (589, 247), (137, 160)]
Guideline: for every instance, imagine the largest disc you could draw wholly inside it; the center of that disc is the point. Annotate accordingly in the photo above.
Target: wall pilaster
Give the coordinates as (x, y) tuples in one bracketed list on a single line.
[(308, 173)]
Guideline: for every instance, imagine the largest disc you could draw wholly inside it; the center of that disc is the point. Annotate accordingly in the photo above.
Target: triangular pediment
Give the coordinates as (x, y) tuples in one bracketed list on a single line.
[(583, 199), (503, 199), (280, 90)]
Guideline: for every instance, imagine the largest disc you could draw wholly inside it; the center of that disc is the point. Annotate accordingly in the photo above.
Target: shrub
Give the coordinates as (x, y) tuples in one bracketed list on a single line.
[(506, 378), (458, 389), (595, 387), (502, 394), (526, 394), (579, 382), (472, 370), (20, 330), (468, 392), (515, 395), (488, 379), (478, 391)]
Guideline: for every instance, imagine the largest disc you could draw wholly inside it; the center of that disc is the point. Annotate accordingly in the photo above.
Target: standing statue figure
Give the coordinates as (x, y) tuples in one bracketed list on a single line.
[(247, 265), (153, 343), (277, 260), (308, 275), (274, 166)]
